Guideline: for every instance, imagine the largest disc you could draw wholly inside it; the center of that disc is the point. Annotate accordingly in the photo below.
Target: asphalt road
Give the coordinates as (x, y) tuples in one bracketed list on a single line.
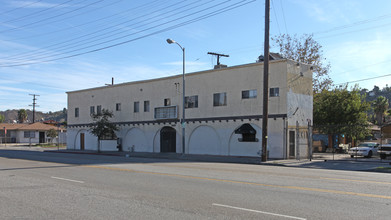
[(44, 185)]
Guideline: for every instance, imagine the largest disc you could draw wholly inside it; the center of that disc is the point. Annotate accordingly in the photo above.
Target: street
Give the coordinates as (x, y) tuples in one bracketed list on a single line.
[(44, 185)]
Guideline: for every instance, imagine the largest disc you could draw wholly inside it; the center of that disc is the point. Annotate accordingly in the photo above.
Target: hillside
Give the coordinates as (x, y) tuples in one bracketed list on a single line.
[(11, 116)]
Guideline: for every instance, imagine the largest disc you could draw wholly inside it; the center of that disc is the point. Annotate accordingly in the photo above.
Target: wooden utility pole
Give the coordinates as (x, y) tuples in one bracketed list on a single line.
[(265, 114), (34, 104)]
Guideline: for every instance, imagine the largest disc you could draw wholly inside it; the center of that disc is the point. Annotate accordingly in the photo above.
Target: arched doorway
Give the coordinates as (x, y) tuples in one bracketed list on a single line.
[(168, 140)]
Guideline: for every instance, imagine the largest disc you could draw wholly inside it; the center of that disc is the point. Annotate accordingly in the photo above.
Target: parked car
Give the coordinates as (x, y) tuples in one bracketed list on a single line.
[(384, 151), (364, 150)]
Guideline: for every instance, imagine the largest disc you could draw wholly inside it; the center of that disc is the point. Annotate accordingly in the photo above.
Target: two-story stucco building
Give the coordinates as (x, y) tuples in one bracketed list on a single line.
[(223, 111)]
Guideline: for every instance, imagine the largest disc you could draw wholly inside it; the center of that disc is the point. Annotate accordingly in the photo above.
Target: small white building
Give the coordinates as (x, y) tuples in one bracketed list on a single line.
[(34, 133), (223, 112)]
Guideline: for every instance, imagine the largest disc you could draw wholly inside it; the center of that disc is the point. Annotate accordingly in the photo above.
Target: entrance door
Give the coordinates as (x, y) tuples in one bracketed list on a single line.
[(81, 141), (168, 140), (41, 137), (292, 143)]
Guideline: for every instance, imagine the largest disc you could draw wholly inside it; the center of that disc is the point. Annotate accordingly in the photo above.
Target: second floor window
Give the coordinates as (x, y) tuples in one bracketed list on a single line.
[(191, 101), (92, 110), (167, 102), (220, 99), (76, 112), (118, 107), (146, 106), (99, 109), (249, 94), (274, 92), (136, 107)]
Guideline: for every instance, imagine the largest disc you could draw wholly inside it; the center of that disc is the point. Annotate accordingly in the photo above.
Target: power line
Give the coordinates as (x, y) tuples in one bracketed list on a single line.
[(90, 22), (35, 13), (54, 16), (366, 79), (201, 17), (354, 24), (23, 6), (275, 15), (102, 36), (283, 15)]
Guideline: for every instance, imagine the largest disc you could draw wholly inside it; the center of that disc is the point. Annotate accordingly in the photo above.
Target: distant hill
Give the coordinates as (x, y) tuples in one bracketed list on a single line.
[(11, 116)]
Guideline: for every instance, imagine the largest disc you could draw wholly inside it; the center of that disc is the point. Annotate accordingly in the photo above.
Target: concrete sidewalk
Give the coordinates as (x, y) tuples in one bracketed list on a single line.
[(319, 161)]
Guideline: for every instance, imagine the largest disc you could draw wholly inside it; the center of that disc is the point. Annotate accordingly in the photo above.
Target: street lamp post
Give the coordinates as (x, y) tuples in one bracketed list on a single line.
[(170, 41)]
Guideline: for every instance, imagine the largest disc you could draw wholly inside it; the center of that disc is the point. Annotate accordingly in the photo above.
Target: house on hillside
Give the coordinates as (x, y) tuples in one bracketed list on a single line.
[(29, 133), (223, 109)]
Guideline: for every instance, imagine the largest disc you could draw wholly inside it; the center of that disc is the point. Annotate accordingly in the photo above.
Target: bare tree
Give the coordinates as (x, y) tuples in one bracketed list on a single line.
[(305, 49)]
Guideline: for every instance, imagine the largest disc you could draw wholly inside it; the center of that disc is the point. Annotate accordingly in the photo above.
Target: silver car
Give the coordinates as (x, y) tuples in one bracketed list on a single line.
[(364, 150)]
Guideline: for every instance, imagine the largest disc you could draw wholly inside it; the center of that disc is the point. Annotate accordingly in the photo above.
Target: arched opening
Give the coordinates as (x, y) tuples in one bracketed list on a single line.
[(168, 140)]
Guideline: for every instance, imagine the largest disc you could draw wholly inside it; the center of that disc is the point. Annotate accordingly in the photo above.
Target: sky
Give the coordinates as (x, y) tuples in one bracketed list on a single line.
[(50, 47)]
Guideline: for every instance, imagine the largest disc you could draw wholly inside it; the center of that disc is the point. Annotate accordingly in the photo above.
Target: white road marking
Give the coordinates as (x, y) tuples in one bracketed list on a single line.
[(251, 210), (59, 178)]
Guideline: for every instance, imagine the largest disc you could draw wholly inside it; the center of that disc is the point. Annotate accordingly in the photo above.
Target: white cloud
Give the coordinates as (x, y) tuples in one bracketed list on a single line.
[(34, 4)]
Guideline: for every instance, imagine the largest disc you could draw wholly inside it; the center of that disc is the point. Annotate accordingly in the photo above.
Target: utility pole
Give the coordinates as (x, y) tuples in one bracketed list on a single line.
[(218, 56), (34, 104), (265, 114)]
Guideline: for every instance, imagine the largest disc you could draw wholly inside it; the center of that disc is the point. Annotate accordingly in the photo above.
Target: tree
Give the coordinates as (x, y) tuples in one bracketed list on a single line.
[(102, 127), (22, 115), (2, 118), (380, 106), (52, 134), (306, 50), (340, 111)]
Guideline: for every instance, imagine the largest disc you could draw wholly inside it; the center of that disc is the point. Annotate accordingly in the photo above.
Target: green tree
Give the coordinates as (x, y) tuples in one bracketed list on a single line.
[(22, 115), (305, 49), (102, 127), (380, 106), (340, 111), (52, 133), (2, 118)]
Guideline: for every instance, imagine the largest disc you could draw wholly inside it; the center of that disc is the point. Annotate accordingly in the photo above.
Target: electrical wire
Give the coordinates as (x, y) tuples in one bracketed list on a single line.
[(36, 13), (366, 79), (201, 17), (23, 6), (69, 45), (46, 19)]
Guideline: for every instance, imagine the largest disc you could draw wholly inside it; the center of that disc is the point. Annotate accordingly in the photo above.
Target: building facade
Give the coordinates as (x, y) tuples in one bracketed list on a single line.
[(35, 133), (223, 112)]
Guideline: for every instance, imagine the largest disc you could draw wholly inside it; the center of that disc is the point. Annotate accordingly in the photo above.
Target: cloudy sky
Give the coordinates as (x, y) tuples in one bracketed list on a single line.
[(51, 47)]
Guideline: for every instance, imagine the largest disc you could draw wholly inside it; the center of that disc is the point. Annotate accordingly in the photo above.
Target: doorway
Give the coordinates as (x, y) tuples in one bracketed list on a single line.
[(41, 137), (81, 141), (292, 143), (168, 140)]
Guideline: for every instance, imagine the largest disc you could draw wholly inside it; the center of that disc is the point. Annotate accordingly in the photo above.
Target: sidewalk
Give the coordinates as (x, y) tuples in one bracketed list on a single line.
[(319, 161)]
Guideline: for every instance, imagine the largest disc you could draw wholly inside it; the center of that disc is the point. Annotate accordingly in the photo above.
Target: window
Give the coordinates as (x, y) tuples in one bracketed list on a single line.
[(29, 134), (92, 110), (146, 106), (248, 133), (118, 107), (76, 112), (99, 109), (169, 112), (274, 92), (136, 107), (220, 99), (191, 101), (249, 94), (167, 102)]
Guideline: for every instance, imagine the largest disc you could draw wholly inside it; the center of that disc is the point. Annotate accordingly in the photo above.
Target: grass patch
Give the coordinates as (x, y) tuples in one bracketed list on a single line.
[(49, 145), (383, 169)]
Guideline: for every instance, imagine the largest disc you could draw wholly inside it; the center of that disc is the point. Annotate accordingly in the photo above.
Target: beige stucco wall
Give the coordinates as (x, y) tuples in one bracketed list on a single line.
[(204, 84)]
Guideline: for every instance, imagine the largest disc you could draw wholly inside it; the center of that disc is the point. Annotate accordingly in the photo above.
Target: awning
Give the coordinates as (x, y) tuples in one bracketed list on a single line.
[(245, 129)]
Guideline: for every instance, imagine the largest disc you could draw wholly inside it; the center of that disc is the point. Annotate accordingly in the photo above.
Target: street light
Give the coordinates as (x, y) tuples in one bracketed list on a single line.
[(170, 41)]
